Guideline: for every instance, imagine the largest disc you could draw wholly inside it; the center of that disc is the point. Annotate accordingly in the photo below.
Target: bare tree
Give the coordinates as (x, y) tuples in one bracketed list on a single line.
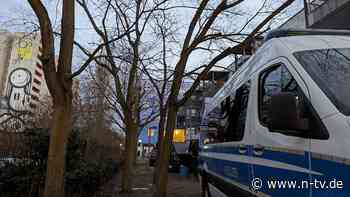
[(128, 55), (157, 69), (127, 21), (60, 86), (201, 31)]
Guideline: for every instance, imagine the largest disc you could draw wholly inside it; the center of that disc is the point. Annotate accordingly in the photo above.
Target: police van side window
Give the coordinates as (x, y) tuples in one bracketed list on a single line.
[(274, 81), (237, 114), (278, 79), (231, 117)]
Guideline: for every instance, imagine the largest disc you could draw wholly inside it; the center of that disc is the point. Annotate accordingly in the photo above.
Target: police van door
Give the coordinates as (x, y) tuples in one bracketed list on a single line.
[(279, 154), (232, 173)]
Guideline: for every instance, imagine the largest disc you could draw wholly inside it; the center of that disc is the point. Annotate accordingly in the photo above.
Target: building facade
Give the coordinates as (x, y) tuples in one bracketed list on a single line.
[(189, 116), (22, 83), (321, 14)]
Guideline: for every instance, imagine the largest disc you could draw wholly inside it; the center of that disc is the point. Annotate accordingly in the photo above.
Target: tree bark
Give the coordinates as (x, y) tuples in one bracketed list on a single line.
[(59, 84), (161, 127), (128, 164), (135, 151), (162, 181), (60, 129)]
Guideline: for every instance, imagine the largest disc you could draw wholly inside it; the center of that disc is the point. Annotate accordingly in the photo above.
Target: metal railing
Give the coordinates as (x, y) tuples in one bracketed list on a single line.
[(312, 5)]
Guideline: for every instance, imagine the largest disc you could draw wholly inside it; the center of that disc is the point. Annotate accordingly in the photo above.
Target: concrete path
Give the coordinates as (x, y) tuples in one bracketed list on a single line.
[(178, 186)]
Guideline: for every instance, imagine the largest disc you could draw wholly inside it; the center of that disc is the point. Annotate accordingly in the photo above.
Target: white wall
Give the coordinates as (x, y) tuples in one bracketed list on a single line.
[(5, 49), (296, 22), (22, 77)]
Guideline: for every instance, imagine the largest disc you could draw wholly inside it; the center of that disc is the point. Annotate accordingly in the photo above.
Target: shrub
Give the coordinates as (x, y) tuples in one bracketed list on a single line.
[(27, 175)]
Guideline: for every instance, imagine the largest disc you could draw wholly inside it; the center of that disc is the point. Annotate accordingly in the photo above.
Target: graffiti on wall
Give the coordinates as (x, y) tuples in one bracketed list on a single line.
[(24, 77), (17, 95), (24, 49), (17, 98), (18, 89)]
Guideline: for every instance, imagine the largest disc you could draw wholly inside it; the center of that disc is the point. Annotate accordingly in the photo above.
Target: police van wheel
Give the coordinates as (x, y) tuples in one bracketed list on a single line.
[(205, 185)]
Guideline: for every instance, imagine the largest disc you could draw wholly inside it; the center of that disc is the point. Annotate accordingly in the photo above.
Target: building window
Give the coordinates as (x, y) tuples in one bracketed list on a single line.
[(193, 112)]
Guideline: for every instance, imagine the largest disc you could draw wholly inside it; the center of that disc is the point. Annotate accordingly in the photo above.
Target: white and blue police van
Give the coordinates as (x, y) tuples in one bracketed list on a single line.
[(280, 126)]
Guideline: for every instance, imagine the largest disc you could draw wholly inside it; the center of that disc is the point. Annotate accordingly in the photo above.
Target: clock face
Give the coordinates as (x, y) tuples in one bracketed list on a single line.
[(20, 77)]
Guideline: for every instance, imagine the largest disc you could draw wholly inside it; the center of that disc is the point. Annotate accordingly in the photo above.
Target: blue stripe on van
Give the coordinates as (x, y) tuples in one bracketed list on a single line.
[(337, 170), (331, 170), (268, 173)]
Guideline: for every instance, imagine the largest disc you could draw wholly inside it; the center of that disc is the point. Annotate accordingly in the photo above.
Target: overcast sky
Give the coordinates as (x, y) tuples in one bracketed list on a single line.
[(11, 9), (19, 9), (12, 13)]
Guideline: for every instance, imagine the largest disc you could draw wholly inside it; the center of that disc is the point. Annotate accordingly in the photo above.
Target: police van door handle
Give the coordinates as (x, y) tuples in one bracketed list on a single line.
[(258, 150), (242, 149)]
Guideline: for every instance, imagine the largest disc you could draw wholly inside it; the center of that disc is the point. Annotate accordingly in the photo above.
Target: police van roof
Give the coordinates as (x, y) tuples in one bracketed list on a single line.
[(290, 42), (278, 33)]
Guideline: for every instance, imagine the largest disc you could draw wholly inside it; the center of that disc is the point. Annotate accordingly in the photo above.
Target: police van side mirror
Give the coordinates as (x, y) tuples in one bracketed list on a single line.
[(284, 115)]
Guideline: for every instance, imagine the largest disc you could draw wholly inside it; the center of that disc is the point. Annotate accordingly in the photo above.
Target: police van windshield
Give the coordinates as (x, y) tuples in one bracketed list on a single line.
[(330, 69)]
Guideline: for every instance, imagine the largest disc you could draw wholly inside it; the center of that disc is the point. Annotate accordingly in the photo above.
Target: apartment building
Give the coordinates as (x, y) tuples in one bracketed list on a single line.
[(22, 83)]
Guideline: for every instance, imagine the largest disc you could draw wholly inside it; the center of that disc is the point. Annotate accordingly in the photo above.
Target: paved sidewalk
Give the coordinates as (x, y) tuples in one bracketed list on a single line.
[(178, 186), (183, 186)]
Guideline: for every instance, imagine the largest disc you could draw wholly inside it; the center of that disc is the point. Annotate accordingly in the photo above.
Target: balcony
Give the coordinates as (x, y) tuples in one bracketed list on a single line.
[(327, 14)]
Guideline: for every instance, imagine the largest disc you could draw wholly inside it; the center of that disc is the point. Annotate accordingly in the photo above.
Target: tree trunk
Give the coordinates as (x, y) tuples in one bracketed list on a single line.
[(59, 83), (61, 127), (162, 180), (135, 152), (161, 127), (128, 164)]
